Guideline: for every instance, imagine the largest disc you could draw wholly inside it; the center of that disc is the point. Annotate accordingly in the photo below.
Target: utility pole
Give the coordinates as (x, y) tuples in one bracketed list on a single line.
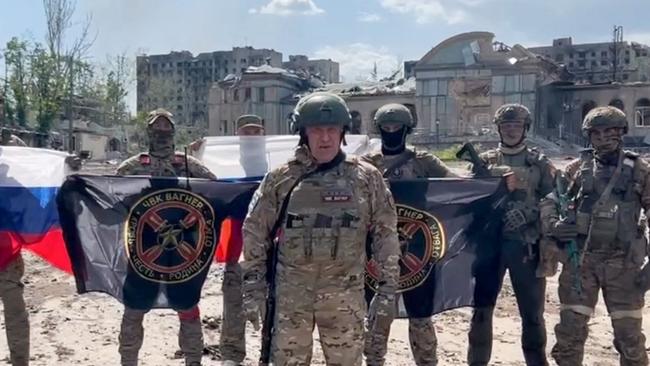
[(69, 113), (5, 95), (617, 40)]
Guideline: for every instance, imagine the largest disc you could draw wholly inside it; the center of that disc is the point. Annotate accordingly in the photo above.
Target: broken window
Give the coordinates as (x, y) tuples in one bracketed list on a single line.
[(528, 82), (559, 57), (498, 84), (581, 63), (627, 61), (603, 53), (603, 62), (642, 113), (442, 87), (513, 83), (581, 54)]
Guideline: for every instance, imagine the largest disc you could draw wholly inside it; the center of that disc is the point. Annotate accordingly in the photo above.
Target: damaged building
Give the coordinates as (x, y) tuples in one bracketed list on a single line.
[(266, 91), (564, 106), (603, 62), (463, 80), (365, 98)]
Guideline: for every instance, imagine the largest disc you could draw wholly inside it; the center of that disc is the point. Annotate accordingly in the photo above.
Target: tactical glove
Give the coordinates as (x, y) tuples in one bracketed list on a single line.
[(73, 161), (514, 219), (642, 280), (564, 231)]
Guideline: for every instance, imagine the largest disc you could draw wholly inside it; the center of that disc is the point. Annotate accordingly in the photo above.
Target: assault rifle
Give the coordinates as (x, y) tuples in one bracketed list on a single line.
[(468, 153), (567, 213)]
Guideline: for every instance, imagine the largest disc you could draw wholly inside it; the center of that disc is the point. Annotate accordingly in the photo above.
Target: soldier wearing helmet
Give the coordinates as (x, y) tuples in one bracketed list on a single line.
[(610, 187), (394, 123), (162, 161), (325, 204), (519, 248)]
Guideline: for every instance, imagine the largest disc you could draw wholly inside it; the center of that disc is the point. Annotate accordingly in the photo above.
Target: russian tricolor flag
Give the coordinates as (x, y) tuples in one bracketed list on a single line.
[(29, 181)]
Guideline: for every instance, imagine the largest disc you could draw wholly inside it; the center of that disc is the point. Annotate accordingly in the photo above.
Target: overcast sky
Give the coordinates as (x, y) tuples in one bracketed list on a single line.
[(356, 33)]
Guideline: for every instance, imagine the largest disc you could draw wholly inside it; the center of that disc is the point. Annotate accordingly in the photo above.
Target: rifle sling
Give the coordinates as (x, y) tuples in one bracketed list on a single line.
[(398, 163)]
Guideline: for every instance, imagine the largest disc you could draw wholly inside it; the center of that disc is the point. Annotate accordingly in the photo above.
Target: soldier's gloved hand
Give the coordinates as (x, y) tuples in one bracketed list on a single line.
[(73, 161), (382, 310), (564, 231), (642, 280), (514, 219), (511, 181)]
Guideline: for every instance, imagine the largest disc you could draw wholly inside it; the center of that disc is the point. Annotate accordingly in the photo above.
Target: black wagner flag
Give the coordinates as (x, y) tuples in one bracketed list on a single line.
[(448, 231), (148, 242)]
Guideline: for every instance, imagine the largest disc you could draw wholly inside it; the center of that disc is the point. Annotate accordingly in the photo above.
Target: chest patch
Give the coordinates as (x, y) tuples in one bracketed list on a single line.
[(336, 196)]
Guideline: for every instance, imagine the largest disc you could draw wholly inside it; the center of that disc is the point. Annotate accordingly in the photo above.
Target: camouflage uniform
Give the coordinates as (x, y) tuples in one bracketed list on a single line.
[(322, 249), (190, 336), (519, 249), (611, 240), (412, 165), (233, 328), (16, 318)]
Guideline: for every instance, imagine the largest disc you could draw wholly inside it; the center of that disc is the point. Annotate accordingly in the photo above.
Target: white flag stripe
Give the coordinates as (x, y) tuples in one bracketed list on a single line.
[(250, 156), (31, 167)]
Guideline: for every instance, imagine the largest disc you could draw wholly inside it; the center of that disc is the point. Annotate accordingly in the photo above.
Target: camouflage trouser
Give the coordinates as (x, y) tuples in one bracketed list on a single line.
[(529, 291), (422, 336), (190, 336), (16, 320), (233, 330), (338, 311), (624, 301)]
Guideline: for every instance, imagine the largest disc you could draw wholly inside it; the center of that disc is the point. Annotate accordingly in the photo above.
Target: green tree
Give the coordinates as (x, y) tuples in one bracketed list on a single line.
[(18, 65)]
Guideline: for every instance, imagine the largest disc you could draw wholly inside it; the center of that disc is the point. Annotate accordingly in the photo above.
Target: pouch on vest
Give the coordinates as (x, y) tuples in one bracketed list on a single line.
[(605, 218)]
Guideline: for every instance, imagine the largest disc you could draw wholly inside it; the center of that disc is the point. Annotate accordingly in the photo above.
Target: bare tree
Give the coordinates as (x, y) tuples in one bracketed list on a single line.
[(58, 16)]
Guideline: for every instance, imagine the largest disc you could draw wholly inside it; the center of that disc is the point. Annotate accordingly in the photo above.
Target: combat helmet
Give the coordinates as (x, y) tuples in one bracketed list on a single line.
[(394, 113), (160, 112), (604, 117), (318, 109), (513, 112)]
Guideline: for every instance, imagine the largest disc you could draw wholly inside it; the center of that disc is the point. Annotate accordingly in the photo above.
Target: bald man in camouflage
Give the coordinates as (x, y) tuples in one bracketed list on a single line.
[(324, 204)]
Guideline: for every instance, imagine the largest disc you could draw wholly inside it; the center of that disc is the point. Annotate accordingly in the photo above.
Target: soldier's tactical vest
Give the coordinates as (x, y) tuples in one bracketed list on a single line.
[(326, 219), (407, 165), (157, 167), (527, 168), (614, 222), (406, 170)]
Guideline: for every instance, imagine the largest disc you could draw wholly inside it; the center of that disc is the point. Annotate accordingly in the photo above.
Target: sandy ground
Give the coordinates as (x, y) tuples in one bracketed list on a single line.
[(71, 329)]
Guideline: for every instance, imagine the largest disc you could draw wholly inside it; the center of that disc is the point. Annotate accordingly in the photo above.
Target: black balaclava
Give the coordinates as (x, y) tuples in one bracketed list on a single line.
[(393, 143), (161, 143)]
